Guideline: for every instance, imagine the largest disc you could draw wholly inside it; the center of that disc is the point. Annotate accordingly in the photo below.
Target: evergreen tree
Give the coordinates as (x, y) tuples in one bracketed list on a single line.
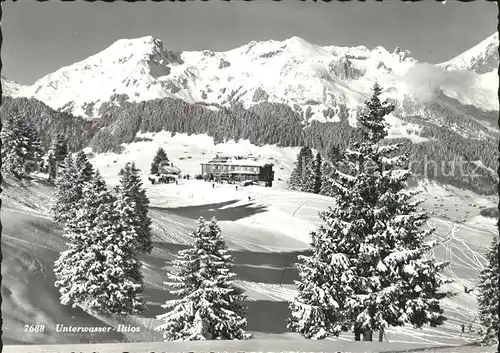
[(21, 146), (161, 156), (318, 177), (334, 154), (308, 181), (306, 176), (73, 174), (295, 179), (51, 166), (60, 147), (488, 298), (208, 308), (301, 171), (326, 172), (306, 156), (58, 151), (131, 187), (14, 146), (34, 150), (68, 191), (85, 168), (368, 268), (372, 123), (100, 269)]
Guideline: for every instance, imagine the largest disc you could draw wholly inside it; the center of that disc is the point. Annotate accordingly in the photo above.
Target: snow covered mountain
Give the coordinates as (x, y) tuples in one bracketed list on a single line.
[(481, 59), (307, 77), (10, 88)]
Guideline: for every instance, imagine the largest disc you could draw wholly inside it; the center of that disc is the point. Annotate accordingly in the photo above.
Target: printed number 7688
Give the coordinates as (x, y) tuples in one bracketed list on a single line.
[(34, 328)]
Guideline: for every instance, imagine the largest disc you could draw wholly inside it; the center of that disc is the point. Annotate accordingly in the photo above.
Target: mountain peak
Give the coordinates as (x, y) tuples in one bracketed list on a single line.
[(134, 46), (297, 40), (317, 79), (481, 58)]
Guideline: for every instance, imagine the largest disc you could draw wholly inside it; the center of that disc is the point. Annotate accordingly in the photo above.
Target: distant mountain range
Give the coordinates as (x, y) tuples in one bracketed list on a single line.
[(288, 93), (304, 76)]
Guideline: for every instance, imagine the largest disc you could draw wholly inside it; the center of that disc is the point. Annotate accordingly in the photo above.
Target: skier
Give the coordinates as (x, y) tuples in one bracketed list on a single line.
[(213, 185), (236, 187), (463, 328)]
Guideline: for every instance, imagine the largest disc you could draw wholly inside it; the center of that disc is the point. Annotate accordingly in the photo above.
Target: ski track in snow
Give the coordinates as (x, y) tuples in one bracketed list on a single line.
[(281, 205), (284, 218)]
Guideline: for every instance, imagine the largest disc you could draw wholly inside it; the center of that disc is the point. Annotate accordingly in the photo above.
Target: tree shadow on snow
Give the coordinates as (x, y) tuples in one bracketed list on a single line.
[(266, 316), (240, 257), (209, 211), (263, 267)]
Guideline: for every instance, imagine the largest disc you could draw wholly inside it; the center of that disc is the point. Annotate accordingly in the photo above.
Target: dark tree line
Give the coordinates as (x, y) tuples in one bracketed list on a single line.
[(50, 122), (270, 123)]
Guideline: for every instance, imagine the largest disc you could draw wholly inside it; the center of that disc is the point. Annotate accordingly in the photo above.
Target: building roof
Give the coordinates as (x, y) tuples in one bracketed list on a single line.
[(246, 162), (169, 170)]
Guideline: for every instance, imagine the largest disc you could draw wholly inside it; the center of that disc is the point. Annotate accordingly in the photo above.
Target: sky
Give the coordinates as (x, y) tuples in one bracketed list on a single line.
[(41, 37)]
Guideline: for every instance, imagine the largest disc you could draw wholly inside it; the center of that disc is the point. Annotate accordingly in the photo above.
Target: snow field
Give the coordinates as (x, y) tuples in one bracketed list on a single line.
[(264, 234)]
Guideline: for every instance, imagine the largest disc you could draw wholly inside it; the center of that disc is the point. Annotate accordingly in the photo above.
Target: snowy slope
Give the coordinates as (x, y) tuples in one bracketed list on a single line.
[(265, 234), (10, 88), (294, 71), (481, 58)]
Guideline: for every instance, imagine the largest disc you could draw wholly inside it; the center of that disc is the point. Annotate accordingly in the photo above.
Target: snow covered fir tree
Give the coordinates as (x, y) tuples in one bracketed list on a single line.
[(68, 191), (57, 152), (297, 178), (488, 298), (130, 189), (100, 270), (21, 146), (209, 305), (84, 167), (161, 156), (73, 174), (307, 174), (369, 265)]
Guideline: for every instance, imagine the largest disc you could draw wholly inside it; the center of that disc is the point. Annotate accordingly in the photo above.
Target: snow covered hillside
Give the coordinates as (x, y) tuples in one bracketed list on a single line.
[(310, 78), (265, 234), (10, 88), (482, 58), (187, 152)]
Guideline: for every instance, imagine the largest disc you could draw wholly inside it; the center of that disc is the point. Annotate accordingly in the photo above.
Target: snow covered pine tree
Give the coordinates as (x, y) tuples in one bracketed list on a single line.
[(99, 270), (489, 296), (130, 187), (34, 151), (317, 174), (160, 156), (369, 266), (202, 276), (68, 191), (85, 168), (56, 154), (298, 176), (21, 149)]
